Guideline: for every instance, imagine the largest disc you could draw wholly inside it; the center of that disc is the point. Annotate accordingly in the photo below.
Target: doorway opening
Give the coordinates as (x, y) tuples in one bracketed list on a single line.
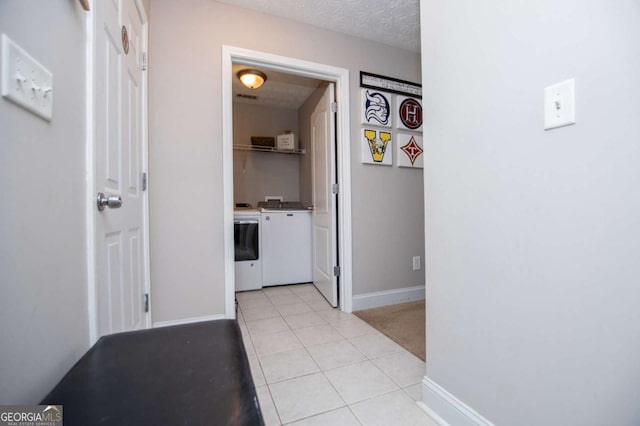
[(337, 180)]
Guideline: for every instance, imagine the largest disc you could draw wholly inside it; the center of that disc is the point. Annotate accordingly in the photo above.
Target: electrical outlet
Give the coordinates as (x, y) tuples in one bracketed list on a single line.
[(24, 81), (416, 263)]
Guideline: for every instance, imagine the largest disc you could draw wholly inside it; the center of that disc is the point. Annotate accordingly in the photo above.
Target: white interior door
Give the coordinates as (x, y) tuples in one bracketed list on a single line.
[(118, 161), (324, 227)]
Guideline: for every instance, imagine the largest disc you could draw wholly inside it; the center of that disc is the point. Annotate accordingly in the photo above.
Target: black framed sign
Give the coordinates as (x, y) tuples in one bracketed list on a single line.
[(390, 84)]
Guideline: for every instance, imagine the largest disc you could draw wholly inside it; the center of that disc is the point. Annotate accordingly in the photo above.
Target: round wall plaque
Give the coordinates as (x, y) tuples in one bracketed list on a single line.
[(125, 40)]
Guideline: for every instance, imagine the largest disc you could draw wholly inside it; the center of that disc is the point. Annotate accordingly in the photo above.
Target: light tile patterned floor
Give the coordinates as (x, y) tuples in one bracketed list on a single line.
[(315, 365)]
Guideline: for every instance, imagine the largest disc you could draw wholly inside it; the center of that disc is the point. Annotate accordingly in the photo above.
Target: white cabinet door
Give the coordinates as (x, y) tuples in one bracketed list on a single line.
[(286, 248)]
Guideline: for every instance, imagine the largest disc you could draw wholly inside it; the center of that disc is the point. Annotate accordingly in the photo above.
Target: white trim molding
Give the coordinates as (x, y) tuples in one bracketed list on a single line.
[(446, 409), (148, 320), (188, 320), (339, 76), (90, 208), (387, 297)]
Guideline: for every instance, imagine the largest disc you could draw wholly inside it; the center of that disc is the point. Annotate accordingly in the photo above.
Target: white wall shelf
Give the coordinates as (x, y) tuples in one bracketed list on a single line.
[(268, 149)]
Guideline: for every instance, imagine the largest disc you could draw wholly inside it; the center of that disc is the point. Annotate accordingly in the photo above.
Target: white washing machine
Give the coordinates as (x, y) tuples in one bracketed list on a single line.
[(248, 249), (286, 239)]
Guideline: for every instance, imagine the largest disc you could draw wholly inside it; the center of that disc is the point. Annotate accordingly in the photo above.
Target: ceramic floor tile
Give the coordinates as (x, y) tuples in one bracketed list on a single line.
[(295, 308), (308, 319), (335, 315), (335, 354), (250, 295), (246, 340), (240, 317), (304, 396), (395, 408), (266, 326), (360, 381), (353, 328), (318, 334), (244, 330), (340, 417), (375, 345), (249, 348), (252, 314), (283, 289), (284, 299), (414, 391), (305, 289), (296, 392), (287, 365), (256, 371), (403, 367), (312, 296), (266, 344), (255, 303), (269, 413), (320, 305)]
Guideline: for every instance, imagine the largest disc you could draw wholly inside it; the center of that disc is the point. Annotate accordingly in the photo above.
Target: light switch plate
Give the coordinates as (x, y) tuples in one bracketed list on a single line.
[(560, 105), (26, 82)]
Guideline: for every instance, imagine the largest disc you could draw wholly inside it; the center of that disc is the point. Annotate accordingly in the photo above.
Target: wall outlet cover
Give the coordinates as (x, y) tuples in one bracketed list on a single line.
[(416, 263)]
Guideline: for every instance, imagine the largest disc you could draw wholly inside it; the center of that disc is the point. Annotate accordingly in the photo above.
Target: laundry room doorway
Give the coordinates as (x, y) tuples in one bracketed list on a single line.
[(328, 199)]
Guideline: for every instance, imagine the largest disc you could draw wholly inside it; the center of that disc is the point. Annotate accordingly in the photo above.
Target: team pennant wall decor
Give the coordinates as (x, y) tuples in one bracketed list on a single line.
[(388, 103), (377, 146), (377, 108), (409, 151), (409, 114)]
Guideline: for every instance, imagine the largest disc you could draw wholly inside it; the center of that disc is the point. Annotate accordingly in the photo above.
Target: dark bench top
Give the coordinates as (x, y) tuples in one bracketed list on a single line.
[(194, 374)]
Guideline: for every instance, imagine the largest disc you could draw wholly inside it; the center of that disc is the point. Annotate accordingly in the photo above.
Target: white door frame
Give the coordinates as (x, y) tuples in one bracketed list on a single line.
[(339, 76), (92, 289)]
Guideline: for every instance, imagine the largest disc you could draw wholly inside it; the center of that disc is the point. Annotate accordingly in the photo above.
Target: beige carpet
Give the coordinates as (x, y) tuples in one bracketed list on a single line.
[(403, 323)]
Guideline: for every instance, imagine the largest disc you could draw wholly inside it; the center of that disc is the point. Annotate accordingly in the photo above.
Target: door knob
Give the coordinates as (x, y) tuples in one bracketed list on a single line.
[(112, 201)]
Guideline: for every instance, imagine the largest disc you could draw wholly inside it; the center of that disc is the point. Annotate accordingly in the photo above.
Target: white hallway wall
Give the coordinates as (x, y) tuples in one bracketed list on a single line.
[(186, 189), (43, 289), (533, 237)]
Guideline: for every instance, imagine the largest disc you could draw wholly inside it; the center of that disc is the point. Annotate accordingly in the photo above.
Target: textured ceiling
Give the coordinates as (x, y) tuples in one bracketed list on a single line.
[(392, 22), (280, 90)]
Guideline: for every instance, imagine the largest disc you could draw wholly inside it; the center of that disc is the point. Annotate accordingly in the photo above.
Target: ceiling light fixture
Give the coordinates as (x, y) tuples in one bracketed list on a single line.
[(252, 79)]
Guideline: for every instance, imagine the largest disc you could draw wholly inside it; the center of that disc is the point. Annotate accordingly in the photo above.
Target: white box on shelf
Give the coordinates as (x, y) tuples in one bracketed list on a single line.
[(286, 141)]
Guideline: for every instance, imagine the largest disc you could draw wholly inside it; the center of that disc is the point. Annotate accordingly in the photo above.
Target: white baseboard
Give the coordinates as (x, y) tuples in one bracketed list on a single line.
[(446, 409), (387, 297), (434, 416), (188, 320)]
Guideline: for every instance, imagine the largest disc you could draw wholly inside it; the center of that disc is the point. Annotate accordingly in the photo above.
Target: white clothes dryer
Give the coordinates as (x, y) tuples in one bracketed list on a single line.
[(248, 249)]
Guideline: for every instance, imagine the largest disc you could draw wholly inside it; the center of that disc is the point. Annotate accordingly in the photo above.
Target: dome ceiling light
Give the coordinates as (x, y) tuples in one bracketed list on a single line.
[(252, 79)]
